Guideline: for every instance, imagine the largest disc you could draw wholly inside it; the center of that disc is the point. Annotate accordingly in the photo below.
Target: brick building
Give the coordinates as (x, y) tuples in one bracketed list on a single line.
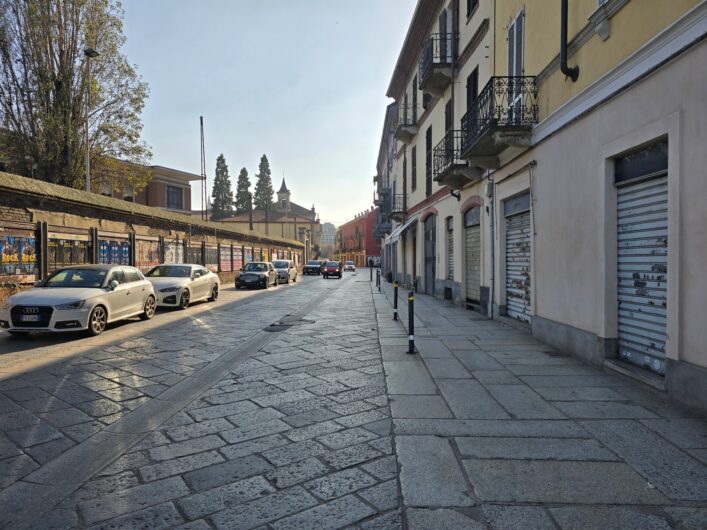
[(355, 240)]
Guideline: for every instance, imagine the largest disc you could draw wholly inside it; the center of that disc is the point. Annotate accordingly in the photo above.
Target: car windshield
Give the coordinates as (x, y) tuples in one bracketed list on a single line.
[(76, 278), (170, 271), (314, 262), (256, 267), (332, 264), (280, 264), (349, 263)]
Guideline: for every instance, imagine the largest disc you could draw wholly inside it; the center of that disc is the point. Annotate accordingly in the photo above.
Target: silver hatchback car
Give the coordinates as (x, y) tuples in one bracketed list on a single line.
[(286, 270)]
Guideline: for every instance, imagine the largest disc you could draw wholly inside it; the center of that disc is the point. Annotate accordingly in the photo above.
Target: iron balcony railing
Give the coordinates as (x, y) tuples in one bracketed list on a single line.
[(505, 102), (437, 49), (407, 115), (447, 153), (397, 203)]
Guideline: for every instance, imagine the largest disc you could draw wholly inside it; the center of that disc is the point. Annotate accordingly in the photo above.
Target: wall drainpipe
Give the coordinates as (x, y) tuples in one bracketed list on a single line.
[(573, 72)]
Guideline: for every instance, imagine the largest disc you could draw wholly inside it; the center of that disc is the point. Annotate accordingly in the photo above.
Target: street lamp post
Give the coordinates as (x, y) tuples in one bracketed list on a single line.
[(90, 53)]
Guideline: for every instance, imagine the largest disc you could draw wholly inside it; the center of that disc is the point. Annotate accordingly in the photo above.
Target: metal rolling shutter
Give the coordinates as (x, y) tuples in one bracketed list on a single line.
[(642, 227), (518, 267), (450, 250), (472, 247)]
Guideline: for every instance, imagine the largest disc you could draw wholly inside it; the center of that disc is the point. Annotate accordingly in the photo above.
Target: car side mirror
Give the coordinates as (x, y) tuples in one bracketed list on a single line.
[(113, 284), (240, 270)]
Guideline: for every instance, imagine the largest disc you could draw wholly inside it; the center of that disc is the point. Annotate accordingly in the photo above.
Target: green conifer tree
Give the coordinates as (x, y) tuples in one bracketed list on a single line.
[(263, 197), (222, 195), (243, 192)]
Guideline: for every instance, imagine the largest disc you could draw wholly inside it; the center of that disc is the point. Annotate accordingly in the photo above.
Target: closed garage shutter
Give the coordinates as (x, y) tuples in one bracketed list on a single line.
[(642, 272), (450, 249), (472, 247), (518, 259)]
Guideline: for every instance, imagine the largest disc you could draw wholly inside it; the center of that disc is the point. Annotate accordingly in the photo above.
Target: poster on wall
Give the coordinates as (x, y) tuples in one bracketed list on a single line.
[(256, 254), (147, 254), (114, 251), (212, 258), (237, 258), (264, 255), (174, 251), (66, 250), (248, 254), (226, 263), (18, 255)]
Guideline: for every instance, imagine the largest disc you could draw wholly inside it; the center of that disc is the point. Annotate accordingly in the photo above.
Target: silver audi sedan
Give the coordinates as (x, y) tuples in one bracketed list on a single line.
[(180, 285), (82, 297)]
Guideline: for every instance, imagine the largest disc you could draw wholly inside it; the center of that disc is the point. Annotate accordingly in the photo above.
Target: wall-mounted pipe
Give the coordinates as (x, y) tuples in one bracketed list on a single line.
[(573, 72)]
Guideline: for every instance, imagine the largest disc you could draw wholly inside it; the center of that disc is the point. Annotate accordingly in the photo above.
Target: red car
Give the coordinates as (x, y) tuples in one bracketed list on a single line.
[(332, 268)]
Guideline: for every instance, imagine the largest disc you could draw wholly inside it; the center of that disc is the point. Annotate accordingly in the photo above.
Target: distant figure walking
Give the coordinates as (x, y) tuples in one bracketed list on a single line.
[(370, 262)]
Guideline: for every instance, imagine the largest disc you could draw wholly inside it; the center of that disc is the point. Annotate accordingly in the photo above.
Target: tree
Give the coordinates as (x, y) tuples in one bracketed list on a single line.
[(243, 195), (222, 205), (263, 197), (45, 82)]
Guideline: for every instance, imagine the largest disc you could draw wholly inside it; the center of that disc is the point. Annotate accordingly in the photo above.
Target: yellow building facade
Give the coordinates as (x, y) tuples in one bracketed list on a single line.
[(585, 181)]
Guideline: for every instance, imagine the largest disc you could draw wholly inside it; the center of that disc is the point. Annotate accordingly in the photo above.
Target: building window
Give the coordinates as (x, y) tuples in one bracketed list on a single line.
[(128, 193), (414, 100), (471, 6), (426, 100), (428, 162), (175, 198), (472, 87), (450, 248), (413, 168)]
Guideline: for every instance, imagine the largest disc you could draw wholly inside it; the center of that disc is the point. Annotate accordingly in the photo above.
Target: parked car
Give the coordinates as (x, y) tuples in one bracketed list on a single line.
[(286, 270), (82, 297), (313, 266), (332, 268), (350, 266), (257, 274), (181, 284)]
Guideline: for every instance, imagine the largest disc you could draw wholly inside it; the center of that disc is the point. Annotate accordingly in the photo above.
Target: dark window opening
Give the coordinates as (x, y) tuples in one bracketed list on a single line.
[(175, 198), (413, 168), (472, 87)]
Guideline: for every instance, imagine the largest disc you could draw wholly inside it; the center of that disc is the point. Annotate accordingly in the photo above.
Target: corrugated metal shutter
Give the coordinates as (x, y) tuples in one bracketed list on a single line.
[(472, 247), (450, 250), (643, 272), (518, 267)]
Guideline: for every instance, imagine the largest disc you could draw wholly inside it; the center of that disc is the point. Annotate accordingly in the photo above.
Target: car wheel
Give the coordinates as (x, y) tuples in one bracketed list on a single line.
[(214, 294), (266, 283), (16, 333), (185, 299), (149, 309), (97, 321)]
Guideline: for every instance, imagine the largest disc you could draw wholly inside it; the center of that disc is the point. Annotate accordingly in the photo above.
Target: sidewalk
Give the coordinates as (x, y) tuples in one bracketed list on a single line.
[(493, 427)]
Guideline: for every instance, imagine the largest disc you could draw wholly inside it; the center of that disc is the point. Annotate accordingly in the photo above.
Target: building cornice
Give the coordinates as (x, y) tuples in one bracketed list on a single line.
[(422, 20), (474, 43), (687, 31)]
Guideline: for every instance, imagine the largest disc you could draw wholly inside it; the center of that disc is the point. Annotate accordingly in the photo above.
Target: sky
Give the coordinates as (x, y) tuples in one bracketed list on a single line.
[(302, 81)]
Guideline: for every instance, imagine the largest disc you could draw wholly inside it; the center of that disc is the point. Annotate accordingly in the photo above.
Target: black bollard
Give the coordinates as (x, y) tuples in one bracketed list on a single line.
[(411, 322), (395, 300), (371, 270), (378, 274)]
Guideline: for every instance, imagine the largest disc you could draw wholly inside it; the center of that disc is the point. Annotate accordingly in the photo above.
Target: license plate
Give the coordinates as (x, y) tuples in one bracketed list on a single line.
[(29, 318), (249, 280)]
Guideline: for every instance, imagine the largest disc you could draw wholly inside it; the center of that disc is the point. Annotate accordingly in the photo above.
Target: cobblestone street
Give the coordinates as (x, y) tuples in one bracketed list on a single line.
[(299, 408)]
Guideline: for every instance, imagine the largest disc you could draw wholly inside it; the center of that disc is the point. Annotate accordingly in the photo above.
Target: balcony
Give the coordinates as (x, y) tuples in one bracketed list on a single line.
[(448, 166), (502, 116), (435, 68), (406, 128), (382, 228), (380, 198), (397, 207)]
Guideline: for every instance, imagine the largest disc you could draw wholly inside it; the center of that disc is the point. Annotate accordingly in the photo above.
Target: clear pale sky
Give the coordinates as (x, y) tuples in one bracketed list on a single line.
[(302, 81)]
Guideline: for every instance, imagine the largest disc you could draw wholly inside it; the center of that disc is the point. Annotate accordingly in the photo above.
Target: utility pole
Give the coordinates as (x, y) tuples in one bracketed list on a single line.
[(204, 202)]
